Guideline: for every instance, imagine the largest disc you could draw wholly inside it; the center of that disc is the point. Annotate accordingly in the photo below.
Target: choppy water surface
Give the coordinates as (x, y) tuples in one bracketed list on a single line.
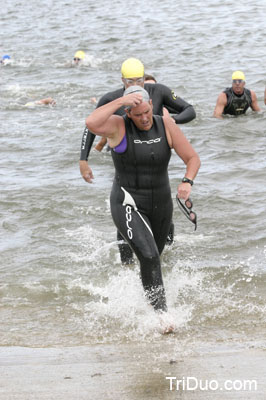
[(61, 279)]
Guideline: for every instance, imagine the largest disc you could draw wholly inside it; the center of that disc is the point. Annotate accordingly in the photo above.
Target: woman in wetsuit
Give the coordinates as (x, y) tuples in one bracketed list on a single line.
[(141, 203)]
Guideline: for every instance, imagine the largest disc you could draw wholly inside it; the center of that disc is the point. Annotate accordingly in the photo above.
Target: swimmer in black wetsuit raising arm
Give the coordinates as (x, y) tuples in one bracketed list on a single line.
[(147, 79), (141, 203), (132, 71)]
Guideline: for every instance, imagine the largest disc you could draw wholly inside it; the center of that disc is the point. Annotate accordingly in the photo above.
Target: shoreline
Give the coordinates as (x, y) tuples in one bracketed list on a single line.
[(129, 372)]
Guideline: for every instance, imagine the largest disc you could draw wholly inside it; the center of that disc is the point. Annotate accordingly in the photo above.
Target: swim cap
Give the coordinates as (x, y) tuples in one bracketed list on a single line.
[(6, 57), (138, 89), (80, 54), (132, 68), (30, 104), (238, 75)]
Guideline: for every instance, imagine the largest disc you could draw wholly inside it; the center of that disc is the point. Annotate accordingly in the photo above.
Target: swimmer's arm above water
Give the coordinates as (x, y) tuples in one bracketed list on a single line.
[(46, 101), (182, 112), (220, 105), (254, 104)]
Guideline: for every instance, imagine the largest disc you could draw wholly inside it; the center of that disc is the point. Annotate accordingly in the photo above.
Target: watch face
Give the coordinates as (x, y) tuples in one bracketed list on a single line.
[(186, 180)]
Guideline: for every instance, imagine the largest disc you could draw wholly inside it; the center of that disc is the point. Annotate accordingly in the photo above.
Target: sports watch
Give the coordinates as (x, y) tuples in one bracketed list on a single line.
[(186, 180)]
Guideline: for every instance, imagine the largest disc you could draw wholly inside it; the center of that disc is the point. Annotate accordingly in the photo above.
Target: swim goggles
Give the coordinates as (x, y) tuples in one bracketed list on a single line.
[(186, 209), (238, 80), (133, 81)]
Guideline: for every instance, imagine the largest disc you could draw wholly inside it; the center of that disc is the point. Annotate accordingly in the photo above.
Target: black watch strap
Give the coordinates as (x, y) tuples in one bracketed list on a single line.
[(186, 180)]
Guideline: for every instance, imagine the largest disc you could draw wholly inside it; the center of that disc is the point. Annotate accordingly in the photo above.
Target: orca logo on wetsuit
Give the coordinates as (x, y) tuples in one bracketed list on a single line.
[(157, 140), (129, 219)]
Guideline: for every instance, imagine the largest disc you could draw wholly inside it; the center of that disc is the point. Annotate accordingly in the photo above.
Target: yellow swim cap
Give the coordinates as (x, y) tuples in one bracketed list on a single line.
[(132, 68), (238, 75), (30, 104), (80, 54)]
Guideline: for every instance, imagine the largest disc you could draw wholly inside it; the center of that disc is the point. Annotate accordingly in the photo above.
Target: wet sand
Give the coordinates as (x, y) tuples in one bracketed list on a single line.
[(129, 372)]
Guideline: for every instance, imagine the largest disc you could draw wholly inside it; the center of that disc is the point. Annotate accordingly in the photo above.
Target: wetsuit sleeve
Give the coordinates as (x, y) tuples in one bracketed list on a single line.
[(181, 111), (88, 137), (86, 144)]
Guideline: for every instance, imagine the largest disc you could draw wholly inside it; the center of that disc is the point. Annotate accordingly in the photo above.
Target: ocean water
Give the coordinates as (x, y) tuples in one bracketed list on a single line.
[(61, 280)]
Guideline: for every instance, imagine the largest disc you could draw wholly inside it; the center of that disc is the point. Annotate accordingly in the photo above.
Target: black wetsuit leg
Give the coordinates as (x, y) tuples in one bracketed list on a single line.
[(144, 246), (146, 236), (126, 254)]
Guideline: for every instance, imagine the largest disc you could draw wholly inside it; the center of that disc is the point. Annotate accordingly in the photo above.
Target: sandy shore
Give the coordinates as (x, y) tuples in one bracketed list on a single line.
[(130, 372)]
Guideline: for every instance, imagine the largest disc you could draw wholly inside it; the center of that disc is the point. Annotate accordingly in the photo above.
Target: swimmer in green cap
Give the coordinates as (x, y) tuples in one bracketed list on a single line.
[(236, 99)]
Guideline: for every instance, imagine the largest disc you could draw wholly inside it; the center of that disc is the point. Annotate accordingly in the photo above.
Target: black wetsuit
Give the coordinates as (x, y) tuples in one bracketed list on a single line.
[(161, 96), (237, 104), (141, 203)]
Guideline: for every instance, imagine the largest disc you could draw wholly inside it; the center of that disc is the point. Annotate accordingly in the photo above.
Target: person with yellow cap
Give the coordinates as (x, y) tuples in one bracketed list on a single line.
[(132, 71), (236, 99), (78, 57)]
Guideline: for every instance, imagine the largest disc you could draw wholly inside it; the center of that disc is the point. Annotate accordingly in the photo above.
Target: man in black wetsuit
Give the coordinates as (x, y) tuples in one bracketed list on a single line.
[(141, 202), (237, 99), (133, 74)]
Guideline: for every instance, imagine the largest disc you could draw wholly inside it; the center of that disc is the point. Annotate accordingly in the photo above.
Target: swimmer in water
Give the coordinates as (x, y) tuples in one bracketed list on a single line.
[(5, 60), (236, 99), (79, 57), (46, 101)]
